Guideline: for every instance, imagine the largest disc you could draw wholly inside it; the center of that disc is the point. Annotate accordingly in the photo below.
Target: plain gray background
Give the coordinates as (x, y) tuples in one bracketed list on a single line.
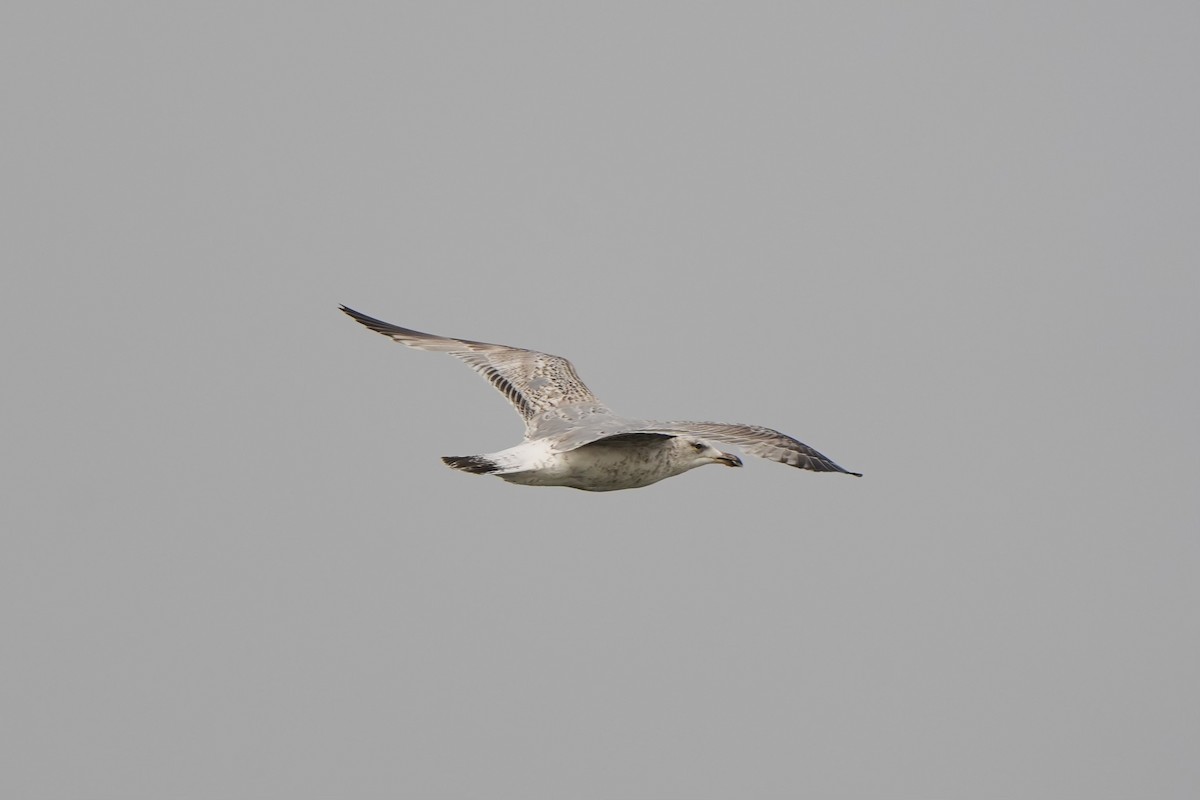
[(951, 245)]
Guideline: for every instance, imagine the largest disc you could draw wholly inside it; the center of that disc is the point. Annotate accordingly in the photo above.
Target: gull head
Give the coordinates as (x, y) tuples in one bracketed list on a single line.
[(698, 452)]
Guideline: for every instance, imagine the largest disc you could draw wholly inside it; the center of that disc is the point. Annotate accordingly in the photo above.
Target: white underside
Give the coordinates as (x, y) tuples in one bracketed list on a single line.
[(598, 467)]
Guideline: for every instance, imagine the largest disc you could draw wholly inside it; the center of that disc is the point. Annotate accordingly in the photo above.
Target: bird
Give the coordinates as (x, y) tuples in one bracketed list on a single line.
[(574, 440)]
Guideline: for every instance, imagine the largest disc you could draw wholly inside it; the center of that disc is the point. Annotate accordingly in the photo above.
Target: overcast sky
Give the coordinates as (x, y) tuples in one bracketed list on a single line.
[(953, 246)]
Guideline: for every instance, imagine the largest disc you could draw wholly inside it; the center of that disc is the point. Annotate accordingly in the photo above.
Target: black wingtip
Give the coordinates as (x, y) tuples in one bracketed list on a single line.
[(855, 474), (377, 325)]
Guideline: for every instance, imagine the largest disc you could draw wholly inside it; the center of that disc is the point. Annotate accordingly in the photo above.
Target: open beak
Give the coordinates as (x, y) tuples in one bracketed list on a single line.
[(729, 460)]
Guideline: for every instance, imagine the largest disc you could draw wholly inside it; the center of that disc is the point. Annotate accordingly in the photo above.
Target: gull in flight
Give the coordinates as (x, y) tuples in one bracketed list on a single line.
[(572, 439)]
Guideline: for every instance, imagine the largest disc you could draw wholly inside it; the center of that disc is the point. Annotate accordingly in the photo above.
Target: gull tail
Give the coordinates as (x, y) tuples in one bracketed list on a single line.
[(478, 465), (524, 456)]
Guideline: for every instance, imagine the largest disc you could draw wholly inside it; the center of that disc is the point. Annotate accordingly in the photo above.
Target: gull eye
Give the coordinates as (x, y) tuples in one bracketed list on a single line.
[(700, 446)]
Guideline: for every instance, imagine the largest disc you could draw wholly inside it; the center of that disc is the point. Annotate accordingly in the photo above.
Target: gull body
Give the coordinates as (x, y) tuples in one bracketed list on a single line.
[(574, 440)]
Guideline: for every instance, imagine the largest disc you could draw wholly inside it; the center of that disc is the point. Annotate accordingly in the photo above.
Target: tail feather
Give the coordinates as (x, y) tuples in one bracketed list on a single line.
[(478, 465)]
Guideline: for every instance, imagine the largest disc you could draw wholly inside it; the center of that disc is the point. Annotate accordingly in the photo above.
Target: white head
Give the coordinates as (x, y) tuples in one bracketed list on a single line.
[(696, 452)]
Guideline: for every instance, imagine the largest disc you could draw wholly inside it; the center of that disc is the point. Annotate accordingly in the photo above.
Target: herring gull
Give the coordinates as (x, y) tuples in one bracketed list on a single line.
[(572, 439)]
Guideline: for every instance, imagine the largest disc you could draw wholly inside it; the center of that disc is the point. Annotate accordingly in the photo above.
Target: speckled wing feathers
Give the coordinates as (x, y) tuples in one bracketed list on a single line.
[(533, 382), (758, 441), (753, 439)]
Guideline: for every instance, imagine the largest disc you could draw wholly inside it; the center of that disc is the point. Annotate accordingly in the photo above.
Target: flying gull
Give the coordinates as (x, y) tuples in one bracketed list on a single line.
[(572, 439)]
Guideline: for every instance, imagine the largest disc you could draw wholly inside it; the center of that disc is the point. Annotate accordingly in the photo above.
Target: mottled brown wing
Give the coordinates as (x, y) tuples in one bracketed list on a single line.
[(758, 441), (533, 382)]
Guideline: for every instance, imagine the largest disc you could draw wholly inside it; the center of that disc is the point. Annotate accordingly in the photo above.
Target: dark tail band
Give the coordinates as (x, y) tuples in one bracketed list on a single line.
[(474, 464)]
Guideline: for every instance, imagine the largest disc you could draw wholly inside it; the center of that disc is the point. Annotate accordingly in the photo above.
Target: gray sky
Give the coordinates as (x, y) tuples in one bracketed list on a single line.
[(953, 246)]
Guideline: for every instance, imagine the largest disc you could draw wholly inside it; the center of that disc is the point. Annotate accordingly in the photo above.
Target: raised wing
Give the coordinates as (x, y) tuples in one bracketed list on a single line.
[(533, 382)]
